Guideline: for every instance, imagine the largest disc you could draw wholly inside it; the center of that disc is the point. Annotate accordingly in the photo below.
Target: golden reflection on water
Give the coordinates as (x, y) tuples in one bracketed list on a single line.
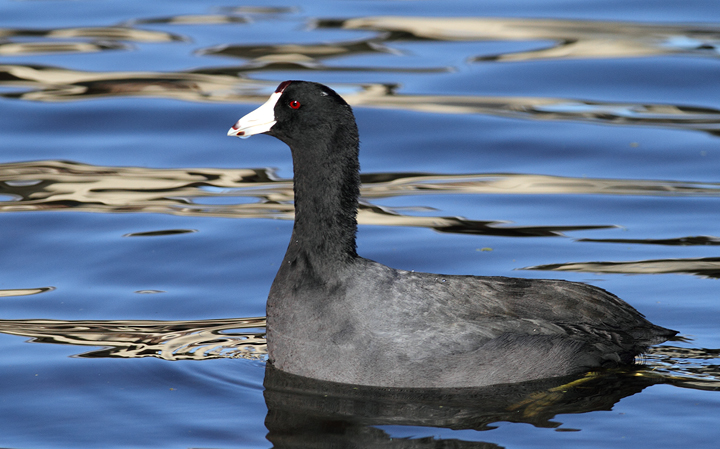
[(168, 340)]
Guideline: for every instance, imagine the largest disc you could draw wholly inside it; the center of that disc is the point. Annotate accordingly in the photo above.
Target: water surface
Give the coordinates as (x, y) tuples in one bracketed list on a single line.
[(565, 139)]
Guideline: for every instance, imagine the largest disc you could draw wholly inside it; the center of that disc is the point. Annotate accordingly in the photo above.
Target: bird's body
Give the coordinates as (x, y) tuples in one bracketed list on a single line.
[(475, 331), (333, 315)]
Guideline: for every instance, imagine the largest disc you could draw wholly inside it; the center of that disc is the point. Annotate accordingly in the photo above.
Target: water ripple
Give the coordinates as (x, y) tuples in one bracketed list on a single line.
[(707, 267), (109, 33), (168, 340), (60, 185), (51, 84), (570, 39), (562, 39), (29, 48), (195, 19)]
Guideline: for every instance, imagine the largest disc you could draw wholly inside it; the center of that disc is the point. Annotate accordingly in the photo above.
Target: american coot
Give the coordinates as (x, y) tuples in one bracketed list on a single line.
[(333, 315)]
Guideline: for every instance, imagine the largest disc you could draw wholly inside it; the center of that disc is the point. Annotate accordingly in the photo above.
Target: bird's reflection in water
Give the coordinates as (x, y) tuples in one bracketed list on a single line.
[(304, 412)]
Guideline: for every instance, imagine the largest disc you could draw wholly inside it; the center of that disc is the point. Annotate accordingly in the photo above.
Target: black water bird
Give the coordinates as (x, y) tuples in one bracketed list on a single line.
[(333, 315)]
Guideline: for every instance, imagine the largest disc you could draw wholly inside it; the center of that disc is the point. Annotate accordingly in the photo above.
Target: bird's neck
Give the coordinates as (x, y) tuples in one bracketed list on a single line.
[(326, 186)]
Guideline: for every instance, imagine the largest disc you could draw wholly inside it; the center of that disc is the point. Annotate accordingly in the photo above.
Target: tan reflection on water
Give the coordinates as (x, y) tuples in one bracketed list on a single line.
[(670, 116), (57, 84), (65, 40), (24, 291), (28, 48), (708, 267), (571, 38), (169, 340), (110, 33), (59, 185)]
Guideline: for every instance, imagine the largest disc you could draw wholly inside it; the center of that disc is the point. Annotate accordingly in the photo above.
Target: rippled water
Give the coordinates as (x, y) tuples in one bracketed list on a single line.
[(565, 139)]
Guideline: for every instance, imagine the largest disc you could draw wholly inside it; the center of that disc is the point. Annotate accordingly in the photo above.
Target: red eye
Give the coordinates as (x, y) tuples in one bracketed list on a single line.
[(295, 104)]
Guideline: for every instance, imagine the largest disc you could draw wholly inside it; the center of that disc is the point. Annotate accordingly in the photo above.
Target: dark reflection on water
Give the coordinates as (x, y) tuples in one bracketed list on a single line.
[(698, 240), (195, 19), (308, 413), (290, 53), (161, 232)]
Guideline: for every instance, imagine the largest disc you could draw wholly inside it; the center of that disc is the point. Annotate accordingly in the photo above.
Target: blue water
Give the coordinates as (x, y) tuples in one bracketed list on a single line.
[(565, 139)]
